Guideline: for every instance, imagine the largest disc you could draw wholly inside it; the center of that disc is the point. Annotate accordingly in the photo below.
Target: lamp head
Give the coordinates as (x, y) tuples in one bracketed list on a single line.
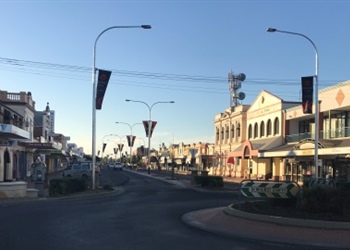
[(271, 30), (172, 102), (127, 100), (146, 27)]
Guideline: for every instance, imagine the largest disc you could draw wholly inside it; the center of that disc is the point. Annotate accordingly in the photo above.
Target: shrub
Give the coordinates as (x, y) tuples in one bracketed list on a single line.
[(323, 199), (209, 181), (107, 187), (66, 186)]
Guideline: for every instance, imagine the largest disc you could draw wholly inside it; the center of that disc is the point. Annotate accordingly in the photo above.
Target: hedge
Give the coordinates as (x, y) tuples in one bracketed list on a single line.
[(64, 186), (209, 181)]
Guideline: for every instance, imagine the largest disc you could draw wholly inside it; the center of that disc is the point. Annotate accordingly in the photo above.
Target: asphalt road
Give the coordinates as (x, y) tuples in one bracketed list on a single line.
[(145, 216)]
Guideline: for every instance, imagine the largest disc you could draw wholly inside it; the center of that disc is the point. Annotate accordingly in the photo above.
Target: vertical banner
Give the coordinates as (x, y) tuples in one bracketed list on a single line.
[(120, 146), (104, 147), (131, 139), (146, 125), (102, 82), (153, 125), (115, 150), (307, 90)]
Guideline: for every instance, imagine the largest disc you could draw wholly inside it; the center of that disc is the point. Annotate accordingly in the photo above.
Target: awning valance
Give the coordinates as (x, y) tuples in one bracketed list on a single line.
[(230, 160)]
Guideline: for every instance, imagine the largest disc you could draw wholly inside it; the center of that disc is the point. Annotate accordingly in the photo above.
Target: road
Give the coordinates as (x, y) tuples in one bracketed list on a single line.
[(146, 216)]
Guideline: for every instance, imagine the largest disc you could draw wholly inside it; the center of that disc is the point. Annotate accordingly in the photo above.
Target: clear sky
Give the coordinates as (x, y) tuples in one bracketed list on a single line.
[(185, 58)]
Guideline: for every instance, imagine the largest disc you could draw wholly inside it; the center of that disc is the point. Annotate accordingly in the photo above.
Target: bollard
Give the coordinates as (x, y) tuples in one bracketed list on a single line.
[(149, 170)]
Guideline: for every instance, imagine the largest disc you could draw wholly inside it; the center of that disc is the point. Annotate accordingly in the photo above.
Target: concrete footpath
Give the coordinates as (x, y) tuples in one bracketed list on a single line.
[(235, 223)]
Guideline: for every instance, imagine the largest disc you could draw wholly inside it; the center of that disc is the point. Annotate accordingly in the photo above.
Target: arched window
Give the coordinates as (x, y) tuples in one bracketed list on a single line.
[(262, 129), (217, 135), (269, 130), (238, 134), (276, 127), (227, 132), (222, 134), (233, 131), (250, 135), (256, 130)]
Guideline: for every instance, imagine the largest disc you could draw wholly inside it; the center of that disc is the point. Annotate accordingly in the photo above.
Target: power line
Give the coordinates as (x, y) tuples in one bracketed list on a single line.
[(83, 74)]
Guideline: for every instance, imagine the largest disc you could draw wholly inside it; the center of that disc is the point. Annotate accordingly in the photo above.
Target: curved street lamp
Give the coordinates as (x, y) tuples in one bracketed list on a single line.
[(149, 126), (94, 94), (131, 142), (316, 94)]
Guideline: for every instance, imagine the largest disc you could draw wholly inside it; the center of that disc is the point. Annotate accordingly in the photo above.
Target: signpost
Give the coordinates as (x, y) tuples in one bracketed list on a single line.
[(267, 189)]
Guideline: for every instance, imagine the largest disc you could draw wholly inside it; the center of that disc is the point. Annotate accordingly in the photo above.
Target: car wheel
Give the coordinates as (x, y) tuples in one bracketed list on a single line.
[(84, 176), (69, 176)]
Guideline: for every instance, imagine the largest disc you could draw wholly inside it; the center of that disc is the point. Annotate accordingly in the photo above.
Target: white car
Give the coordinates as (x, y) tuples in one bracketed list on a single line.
[(116, 166)]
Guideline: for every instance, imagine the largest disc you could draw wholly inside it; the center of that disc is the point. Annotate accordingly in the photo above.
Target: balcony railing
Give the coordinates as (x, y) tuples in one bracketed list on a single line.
[(336, 133), (327, 134), (299, 137)]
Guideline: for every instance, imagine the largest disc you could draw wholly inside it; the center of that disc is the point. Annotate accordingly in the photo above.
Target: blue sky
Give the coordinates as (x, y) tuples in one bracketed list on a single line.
[(51, 43)]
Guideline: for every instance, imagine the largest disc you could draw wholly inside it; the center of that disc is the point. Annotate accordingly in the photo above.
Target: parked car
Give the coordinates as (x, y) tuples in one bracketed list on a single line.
[(78, 169), (116, 166)]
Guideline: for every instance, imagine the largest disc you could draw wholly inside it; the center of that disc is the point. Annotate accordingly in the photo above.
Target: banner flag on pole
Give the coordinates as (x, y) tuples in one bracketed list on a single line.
[(102, 82), (146, 125), (307, 90), (153, 125), (115, 150), (131, 139), (120, 146), (104, 147)]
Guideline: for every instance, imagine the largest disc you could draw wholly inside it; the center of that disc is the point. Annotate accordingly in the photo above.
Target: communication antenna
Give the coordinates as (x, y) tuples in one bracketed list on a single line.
[(235, 83)]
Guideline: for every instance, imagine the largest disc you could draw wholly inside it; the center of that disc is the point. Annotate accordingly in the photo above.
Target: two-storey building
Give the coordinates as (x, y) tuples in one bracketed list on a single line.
[(277, 138)]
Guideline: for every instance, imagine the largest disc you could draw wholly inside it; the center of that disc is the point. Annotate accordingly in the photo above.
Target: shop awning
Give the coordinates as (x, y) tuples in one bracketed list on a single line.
[(230, 160)]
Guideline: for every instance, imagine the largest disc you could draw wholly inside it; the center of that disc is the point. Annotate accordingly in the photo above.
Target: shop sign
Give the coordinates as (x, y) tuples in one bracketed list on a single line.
[(44, 145), (307, 152)]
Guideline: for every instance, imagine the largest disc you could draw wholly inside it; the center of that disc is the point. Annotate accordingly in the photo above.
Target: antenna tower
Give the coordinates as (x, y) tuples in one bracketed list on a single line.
[(235, 83)]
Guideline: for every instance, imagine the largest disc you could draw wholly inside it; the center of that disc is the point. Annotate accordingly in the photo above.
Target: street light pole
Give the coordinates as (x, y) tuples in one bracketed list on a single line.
[(94, 95), (149, 127), (316, 94), (131, 142)]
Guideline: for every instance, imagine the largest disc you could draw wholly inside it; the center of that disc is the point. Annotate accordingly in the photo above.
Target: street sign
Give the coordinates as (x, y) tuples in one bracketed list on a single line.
[(266, 189)]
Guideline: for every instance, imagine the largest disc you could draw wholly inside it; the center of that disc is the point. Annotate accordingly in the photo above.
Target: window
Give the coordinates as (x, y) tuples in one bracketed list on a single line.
[(76, 167), (227, 133), (250, 131), (217, 134), (222, 134), (85, 166), (233, 131), (269, 130), (276, 126), (304, 126), (238, 130), (262, 129), (255, 130)]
